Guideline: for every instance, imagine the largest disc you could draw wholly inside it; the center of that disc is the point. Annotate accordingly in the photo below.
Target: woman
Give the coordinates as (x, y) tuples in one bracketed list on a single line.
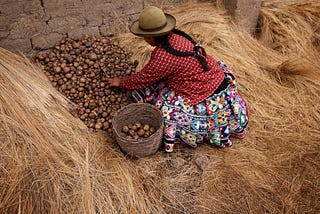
[(196, 94)]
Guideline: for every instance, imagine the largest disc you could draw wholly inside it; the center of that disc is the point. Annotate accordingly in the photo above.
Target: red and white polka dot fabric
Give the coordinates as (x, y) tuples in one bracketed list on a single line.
[(185, 75)]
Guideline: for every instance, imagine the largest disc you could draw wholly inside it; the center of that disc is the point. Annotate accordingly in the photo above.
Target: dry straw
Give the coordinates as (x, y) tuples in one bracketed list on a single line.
[(276, 168), (50, 163)]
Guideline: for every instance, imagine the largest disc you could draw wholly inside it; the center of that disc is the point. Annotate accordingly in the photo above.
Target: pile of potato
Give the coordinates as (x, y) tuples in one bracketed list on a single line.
[(79, 68), (137, 130)]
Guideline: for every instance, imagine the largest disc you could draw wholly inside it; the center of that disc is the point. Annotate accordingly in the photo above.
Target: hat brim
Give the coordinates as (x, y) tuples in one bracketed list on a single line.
[(171, 23)]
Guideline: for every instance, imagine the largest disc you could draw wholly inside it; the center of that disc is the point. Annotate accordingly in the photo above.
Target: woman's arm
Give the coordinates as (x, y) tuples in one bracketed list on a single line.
[(159, 67)]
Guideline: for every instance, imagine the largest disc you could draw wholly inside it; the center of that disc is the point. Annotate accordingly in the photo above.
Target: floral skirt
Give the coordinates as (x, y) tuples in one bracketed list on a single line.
[(214, 120)]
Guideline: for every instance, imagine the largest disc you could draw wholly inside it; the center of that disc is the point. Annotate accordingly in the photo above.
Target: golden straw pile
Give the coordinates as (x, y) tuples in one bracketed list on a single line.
[(50, 162)]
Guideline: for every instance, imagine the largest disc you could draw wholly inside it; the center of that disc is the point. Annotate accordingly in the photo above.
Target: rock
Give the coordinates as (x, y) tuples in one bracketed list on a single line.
[(202, 161), (45, 41), (246, 12)]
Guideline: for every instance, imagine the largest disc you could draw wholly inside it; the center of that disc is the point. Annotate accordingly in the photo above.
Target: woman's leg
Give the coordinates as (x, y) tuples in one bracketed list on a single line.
[(169, 136), (239, 111)]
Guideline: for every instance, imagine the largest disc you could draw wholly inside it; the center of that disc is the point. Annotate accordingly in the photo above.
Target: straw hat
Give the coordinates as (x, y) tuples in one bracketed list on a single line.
[(153, 22)]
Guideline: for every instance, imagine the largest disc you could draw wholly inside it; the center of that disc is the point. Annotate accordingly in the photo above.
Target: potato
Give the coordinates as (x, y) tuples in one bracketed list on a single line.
[(128, 137), (138, 125), (152, 130), (134, 128), (146, 127), (140, 132), (125, 129), (132, 133)]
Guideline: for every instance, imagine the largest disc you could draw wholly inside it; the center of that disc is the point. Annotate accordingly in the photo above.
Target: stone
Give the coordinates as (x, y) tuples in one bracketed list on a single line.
[(202, 161), (26, 27), (245, 12), (63, 25), (16, 45), (65, 8), (46, 41), (83, 31)]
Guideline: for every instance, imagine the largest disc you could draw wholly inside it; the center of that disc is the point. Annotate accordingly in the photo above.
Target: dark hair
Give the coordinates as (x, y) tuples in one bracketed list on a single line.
[(163, 40)]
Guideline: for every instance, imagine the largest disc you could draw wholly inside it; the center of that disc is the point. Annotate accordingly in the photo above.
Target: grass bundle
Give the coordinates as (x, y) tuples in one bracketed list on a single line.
[(290, 26), (292, 29)]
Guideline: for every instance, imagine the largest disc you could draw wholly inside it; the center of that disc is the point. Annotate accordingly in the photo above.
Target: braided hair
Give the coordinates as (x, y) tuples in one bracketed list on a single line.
[(163, 40)]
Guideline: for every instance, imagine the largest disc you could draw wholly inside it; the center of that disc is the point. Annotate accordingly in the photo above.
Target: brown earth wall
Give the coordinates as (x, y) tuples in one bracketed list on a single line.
[(27, 25)]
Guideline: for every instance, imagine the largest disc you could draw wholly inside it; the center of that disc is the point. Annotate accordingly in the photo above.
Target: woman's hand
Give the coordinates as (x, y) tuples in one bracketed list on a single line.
[(114, 81)]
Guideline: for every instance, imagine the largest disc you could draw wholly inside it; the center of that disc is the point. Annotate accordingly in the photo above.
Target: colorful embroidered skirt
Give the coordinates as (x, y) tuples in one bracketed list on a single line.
[(214, 120)]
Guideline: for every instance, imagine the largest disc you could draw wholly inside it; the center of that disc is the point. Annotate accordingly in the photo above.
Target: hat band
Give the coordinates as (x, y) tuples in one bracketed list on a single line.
[(154, 29)]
